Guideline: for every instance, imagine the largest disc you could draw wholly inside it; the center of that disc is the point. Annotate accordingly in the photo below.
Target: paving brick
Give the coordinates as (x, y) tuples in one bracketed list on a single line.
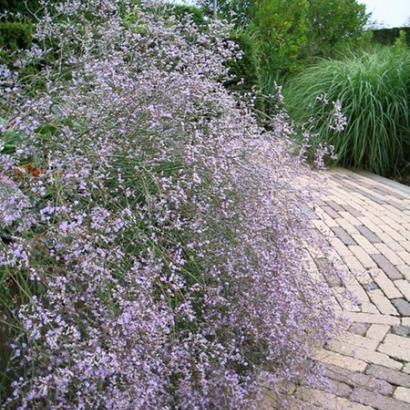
[(406, 245), (346, 225), (334, 205), (370, 286), (404, 270), (329, 221), (362, 256), (349, 363), (382, 303), (326, 270), (378, 401), (385, 284), (271, 401), (373, 226), (387, 267), (339, 247), (369, 318), (326, 400), (350, 218), (389, 221), (392, 233), (380, 357), (357, 340), (365, 244), (401, 341), (392, 376), (377, 332), (354, 287), (321, 227), (368, 234), (392, 256), (394, 351), (401, 330), (343, 236), (401, 393), (331, 212), (356, 379), (347, 300), (404, 256), (353, 264), (352, 210), (359, 328), (404, 287), (368, 229), (391, 243), (369, 308), (338, 388), (402, 306)]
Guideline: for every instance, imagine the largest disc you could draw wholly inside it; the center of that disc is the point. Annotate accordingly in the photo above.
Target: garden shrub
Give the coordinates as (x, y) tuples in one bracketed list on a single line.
[(153, 232), (197, 15), (289, 34), (243, 70), (20, 6), (373, 89), (15, 35), (280, 29), (388, 36), (334, 25)]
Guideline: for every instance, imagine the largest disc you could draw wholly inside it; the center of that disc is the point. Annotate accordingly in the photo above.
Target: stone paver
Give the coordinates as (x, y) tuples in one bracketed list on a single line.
[(402, 393), (366, 219)]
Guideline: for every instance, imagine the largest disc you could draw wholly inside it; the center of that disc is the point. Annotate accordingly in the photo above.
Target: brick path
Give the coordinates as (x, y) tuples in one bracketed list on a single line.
[(367, 220)]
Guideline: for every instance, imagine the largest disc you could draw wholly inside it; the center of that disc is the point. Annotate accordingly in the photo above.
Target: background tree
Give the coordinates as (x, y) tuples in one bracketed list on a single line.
[(288, 33), (280, 29), (333, 24)]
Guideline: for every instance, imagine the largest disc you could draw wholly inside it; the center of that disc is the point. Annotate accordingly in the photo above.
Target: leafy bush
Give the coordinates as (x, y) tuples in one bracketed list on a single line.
[(288, 33), (374, 92), (15, 35), (196, 13), (20, 6), (280, 29), (388, 36), (153, 233), (244, 70), (334, 25)]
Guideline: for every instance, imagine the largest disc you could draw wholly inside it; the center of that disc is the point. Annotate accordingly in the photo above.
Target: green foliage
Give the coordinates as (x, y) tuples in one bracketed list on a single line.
[(15, 35), (286, 35), (280, 29), (374, 90), (365, 41), (334, 24), (245, 70), (241, 12), (20, 6), (401, 41), (196, 13), (388, 36)]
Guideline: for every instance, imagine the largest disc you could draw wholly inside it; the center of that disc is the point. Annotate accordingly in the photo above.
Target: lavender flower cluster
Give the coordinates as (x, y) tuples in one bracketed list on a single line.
[(158, 229)]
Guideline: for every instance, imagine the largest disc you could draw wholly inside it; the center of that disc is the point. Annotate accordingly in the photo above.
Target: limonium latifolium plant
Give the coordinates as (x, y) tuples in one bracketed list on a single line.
[(152, 233)]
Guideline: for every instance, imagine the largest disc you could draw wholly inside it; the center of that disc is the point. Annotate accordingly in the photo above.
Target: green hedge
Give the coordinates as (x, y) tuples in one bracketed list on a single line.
[(15, 35), (388, 36)]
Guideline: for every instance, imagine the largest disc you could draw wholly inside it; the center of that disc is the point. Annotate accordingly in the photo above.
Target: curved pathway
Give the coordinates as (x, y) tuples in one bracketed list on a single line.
[(367, 221)]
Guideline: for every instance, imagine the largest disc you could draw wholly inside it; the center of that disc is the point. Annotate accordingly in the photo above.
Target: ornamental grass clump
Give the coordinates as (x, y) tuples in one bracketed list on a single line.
[(373, 90), (152, 253)]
